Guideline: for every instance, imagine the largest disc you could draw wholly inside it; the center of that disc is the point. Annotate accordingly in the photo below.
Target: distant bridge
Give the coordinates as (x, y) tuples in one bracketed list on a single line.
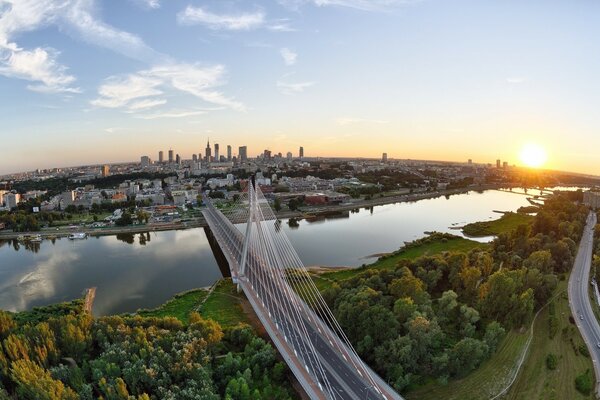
[(269, 271)]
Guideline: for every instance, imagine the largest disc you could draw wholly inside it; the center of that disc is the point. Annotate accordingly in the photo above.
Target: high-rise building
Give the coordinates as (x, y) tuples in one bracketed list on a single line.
[(498, 163), (171, 156), (216, 151), (105, 171), (505, 164), (207, 152), (12, 199), (384, 157), (470, 161), (2, 192), (177, 159), (161, 157), (145, 161), (301, 152), (228, 152), (243, 153), (267, 154), (195, 158), (289, 155)]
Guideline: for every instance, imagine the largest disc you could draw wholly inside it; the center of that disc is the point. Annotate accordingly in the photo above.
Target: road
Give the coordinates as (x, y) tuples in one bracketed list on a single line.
[(298, 333), (579, 299)]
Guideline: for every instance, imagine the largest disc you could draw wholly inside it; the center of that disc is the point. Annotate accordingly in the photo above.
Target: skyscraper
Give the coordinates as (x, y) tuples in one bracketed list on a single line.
[(145, 161), (228, 152), (216, 151), (289, 155), (171, 156), (384, 158), (177, 159), (194, 157), (498, 163), (105, 171), (243, 153), (207, 152), (161, 157), (301, 152), (267, 154)]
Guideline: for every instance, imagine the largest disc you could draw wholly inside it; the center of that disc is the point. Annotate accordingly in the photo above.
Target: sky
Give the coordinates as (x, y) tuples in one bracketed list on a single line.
[(102, 81)]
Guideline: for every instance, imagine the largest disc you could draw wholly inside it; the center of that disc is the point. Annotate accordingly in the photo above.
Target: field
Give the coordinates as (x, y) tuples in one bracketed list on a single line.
[(224, 305), (483, 383), (179, 306), (538, 382), (534, 381), (506, 223)]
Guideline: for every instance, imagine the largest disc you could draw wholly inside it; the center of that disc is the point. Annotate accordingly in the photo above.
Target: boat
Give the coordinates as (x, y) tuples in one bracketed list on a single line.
[(36, 239), (77, 236)]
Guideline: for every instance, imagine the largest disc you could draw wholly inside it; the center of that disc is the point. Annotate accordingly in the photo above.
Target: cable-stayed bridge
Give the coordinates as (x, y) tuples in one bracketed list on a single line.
[(265, 265)]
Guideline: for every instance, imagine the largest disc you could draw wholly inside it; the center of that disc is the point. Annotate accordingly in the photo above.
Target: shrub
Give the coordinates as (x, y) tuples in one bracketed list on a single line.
[(584, 383), (551, 361)]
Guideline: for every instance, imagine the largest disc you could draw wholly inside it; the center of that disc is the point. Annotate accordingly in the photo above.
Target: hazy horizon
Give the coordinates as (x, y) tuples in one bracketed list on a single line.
[(92, 82)]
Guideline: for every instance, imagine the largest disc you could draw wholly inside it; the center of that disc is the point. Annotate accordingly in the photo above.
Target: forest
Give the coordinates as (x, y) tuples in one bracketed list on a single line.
[(61, 352), (438, 317)]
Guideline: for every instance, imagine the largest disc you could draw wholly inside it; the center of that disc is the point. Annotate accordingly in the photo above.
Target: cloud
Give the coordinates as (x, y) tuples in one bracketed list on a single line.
[(76, 17), (293, 88), (289, 57), (365, 5), (142, 90), (349, 121), (38, 65), (515, 80), (196, 15), (148, 4), (171, 114)]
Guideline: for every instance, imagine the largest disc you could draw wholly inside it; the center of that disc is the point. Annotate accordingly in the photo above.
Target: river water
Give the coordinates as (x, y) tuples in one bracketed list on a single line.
[(144, 270)]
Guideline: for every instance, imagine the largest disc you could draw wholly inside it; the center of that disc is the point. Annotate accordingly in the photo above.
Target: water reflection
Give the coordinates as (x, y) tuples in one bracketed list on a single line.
[(130, 271), (134, 271)]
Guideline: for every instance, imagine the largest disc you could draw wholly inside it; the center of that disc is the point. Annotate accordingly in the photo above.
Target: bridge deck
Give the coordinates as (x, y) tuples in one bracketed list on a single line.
[(298, 333)]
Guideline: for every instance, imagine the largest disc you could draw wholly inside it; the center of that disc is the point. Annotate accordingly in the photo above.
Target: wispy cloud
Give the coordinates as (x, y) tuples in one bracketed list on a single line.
[(148, 4), (289, 57), (197, 15), (366, 5), (143, 89), (40, 66), (350, 120), (76, 17), (290, 88), (171, 114), (515, 80)]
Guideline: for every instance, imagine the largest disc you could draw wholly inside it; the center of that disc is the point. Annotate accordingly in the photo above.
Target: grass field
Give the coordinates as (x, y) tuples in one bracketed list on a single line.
[(483, 383), (224, 305), (506, 223), (179, 306), (434, 246), (534, 381), (538, 382)]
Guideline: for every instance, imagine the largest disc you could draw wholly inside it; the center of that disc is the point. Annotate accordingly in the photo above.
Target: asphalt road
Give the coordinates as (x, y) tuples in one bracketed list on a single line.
[(297, 325), (579, 300)]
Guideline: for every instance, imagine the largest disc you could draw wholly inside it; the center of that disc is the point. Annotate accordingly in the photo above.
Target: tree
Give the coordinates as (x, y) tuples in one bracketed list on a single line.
[(35, 383), (277, 204), (125, 219)]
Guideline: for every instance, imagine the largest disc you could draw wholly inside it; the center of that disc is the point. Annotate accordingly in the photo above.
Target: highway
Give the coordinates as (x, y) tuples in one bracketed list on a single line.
[(307, 344), (579, 299)]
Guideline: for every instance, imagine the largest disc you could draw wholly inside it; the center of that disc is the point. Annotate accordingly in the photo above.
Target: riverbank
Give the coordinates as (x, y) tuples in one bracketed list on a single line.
[(305, 212)]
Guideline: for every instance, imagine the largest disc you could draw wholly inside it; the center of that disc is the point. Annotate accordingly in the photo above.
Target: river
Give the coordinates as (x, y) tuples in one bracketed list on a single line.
[(144, 270)]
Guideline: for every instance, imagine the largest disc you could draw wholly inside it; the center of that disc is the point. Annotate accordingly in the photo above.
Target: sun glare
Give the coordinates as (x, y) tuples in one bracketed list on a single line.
[(533, 155)]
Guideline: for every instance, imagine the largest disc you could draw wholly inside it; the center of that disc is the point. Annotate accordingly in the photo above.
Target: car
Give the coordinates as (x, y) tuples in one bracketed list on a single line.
[(598, 344), (581, 317)]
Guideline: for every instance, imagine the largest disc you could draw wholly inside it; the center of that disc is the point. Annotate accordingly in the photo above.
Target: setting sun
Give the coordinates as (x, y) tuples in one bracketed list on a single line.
[(533, 155)]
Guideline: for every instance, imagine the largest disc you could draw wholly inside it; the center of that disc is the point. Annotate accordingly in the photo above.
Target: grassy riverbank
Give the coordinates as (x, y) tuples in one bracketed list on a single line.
[(506, 223), (435, 243), (224, 305), (180, 306)]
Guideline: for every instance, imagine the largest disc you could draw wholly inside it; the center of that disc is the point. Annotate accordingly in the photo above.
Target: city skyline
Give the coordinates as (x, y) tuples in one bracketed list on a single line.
[(92, 82)]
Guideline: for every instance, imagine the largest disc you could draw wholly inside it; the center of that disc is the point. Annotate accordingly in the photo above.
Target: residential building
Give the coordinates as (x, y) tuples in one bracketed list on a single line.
[(105, 171), (228, 152), (161, 158), (171, 156), (243, 153), (301, 152), (12, 200), (145, 161)]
